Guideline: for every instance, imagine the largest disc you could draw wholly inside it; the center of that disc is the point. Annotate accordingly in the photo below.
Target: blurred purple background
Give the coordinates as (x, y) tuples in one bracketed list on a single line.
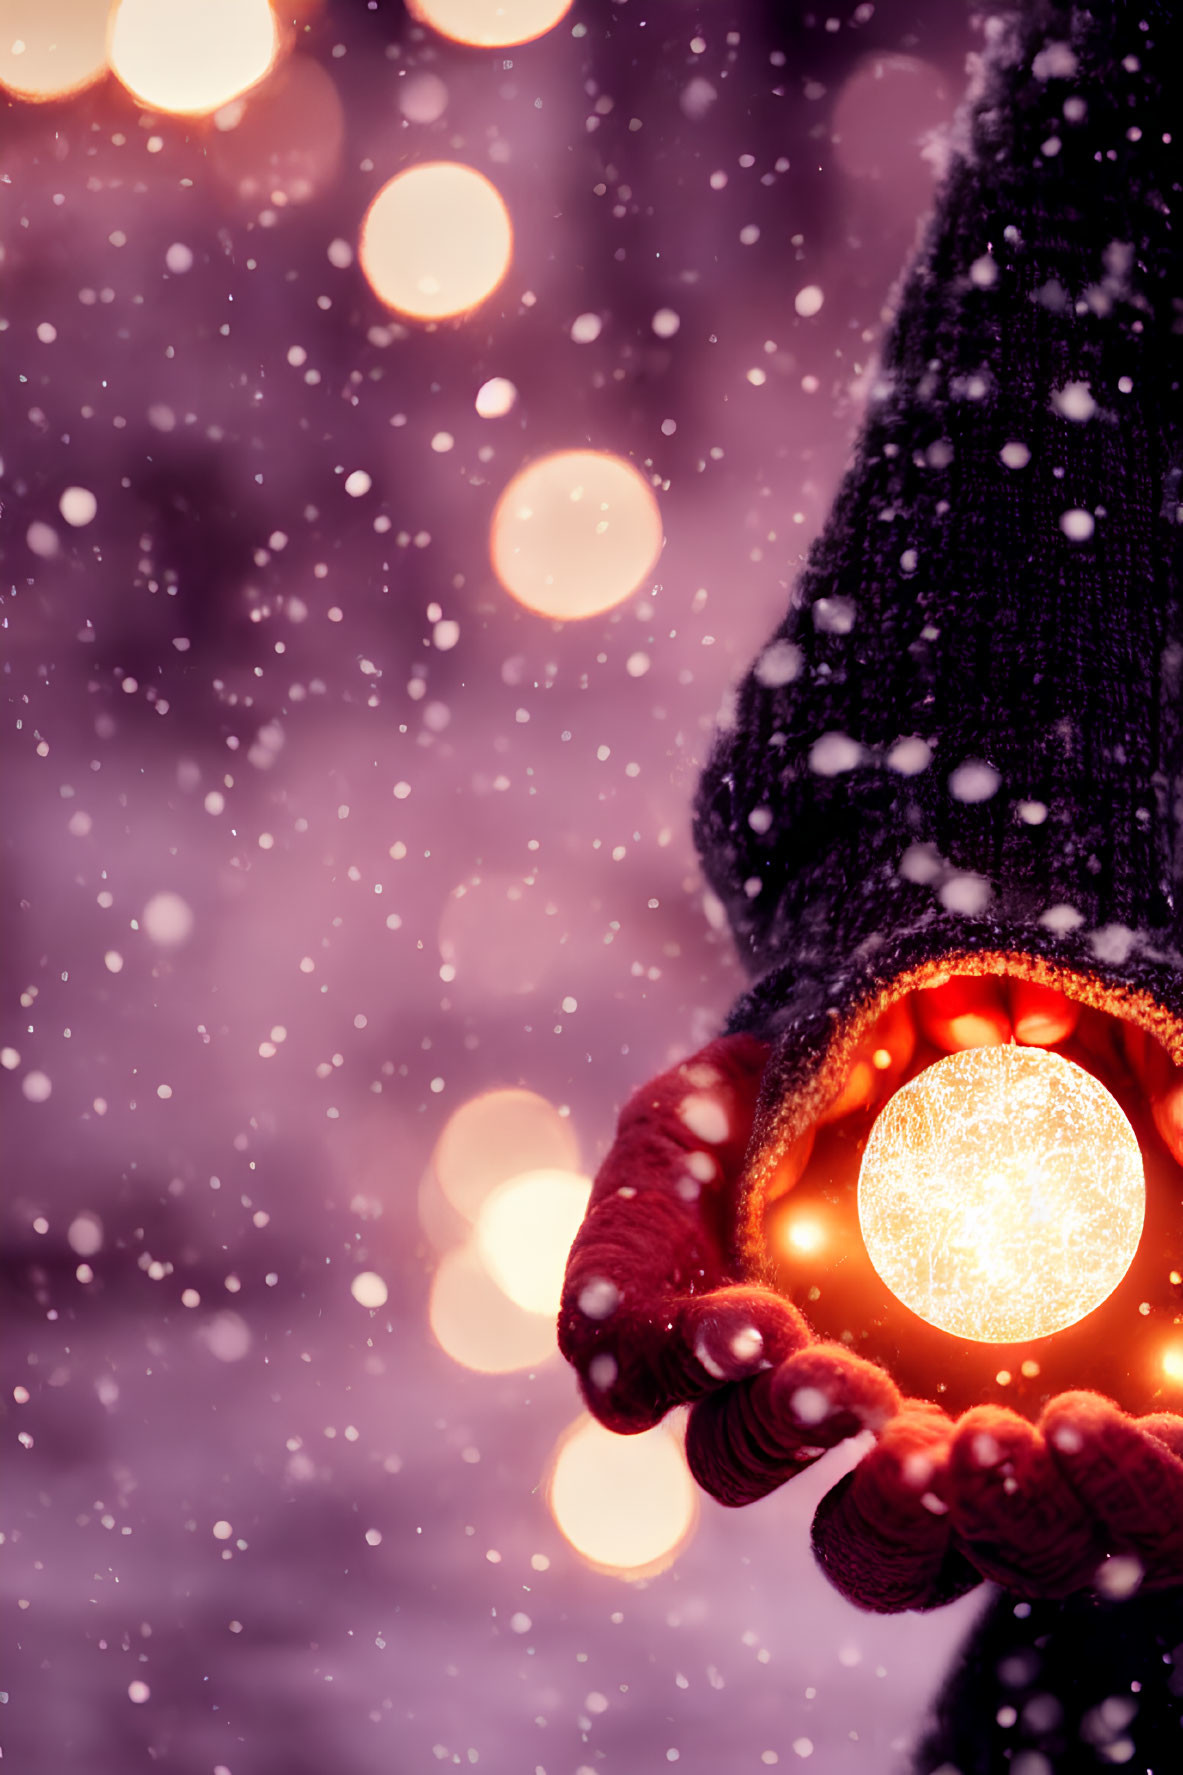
[(229, 687)]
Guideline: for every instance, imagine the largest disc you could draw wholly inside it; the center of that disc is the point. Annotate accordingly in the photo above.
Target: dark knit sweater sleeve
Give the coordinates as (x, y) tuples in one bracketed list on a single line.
[(965, 734), (960, 753)]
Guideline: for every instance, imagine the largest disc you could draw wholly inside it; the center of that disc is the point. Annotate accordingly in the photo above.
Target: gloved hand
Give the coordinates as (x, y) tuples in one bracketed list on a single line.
[(650, 1319)]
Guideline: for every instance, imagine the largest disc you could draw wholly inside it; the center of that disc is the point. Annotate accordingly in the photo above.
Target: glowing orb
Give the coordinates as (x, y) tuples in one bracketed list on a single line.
[(49, 48), (489, 23), (574, 534), (626, 1503), (436, 241), (191, 56), (1001, 1195), (524, 1232)]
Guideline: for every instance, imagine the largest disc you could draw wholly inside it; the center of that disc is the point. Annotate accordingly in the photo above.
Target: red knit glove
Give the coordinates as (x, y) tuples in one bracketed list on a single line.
[(1044, 1510), (883, 1535), (648, 1318), (747, 1439)]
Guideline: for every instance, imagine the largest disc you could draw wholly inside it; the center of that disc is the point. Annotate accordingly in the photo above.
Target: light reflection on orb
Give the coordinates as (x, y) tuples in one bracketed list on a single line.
[(1001, 1195), (524, 1231), (480, 1327), (574, 534), (50, 48), (497, 1136), (1172, 1362), (191, 56), (489, 24), (436, 241), (626, 1503)]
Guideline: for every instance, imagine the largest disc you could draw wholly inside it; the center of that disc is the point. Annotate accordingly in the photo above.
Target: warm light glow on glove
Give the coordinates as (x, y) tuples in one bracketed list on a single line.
[(1001, 1195)]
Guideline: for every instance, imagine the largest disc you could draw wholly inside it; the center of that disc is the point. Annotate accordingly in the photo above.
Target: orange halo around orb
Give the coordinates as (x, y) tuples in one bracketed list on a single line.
[(574, 534), (191, 56), (436, 241), (489, 24)]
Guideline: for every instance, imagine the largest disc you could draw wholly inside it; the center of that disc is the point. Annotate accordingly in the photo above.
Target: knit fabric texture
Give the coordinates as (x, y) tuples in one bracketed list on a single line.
[(960, 753), (964, 738), (1064, 1686)]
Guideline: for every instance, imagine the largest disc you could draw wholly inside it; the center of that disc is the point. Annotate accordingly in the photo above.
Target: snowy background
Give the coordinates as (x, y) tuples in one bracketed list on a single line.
[(313, 835)]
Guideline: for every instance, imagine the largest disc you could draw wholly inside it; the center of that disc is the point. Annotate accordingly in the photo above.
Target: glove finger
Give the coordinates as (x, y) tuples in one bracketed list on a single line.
[(969, 1011), (695, 1347), (735, 1451), (830, 1393), (747, 1439), (1166, 1427), (616, 1320), (731, 1333), (1012, 1511), (636, 1365), (1041, 1015), (882, 1535), (653, 1232), (1130, 1483)]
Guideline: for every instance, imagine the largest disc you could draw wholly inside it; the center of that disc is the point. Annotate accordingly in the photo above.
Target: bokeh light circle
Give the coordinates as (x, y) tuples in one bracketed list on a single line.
[(78, 506), (167, 919), (436, 241), (496, 397), (496, 1136), (1002, 1195), (51, 48), (627, 1504), (191, 56), (575, 533), (477, 1325), (422, 98), (887, 109), (524, 1231), (369, 1290), (489, 24)]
